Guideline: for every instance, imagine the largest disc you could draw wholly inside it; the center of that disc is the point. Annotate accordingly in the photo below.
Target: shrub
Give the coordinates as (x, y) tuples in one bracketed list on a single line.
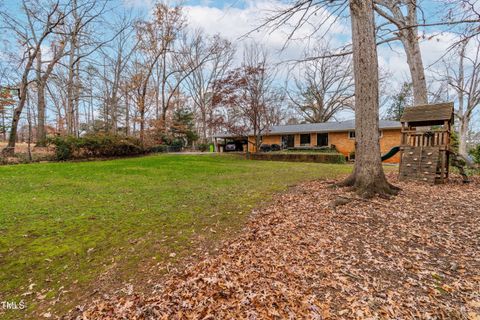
[(351, 156), (276, 147), (109, 146), (324, 149), (161, 148), (65, 147), (179, 143), (475, 153), (265, 148), (203, 147), (69, 147)]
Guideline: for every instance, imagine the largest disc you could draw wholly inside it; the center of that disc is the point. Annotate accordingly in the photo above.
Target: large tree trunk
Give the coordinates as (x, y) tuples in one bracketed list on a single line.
[(415, 63), (407, 22), (368, 177), (463, 136)]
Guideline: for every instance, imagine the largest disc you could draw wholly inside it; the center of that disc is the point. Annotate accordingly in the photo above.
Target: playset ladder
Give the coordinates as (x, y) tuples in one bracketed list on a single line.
[(422, 163)]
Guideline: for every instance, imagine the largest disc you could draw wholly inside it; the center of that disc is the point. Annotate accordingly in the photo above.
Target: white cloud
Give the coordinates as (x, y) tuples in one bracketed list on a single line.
[(236, 24), (433, 48)]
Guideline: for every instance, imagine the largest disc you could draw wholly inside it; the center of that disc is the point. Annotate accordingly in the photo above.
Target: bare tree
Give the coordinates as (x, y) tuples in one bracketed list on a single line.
[(249, 96), (83, 42), (156, 39), (403, 15), (201, 81), (58, 51), (462, 13), (324, 87), (117, 57), (42, 21), (165, 62), (181, 68), (463, 76)]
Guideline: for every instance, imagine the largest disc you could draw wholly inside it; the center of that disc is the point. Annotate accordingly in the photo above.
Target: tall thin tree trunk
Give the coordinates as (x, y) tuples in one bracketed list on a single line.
[(4, 129), (70, 112), (76, 105), (368, 177), (415, 64), (9, 150), (41, 133), (141, 108), (127, 113), (204, 126), (30, 135), (464, 119)]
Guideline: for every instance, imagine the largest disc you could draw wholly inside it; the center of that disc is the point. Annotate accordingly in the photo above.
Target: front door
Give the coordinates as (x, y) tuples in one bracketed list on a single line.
[(322, 139), (288, 141)]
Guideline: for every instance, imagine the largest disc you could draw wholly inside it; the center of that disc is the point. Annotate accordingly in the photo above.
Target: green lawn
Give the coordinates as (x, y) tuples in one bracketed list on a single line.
[(64, 224)]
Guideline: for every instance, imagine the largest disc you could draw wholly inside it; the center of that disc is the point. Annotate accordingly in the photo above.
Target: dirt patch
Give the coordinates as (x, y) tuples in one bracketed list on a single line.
[(22, 154), (415, 256)]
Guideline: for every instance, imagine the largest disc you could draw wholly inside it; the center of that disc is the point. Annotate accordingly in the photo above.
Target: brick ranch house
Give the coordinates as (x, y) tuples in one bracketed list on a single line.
[(338, 134)]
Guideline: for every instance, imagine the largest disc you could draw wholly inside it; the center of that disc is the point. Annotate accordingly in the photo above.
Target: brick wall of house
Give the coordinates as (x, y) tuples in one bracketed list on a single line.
[(313, 139), (390, 139), (265, 140), (345, 145), (341, 140), (272, 140)]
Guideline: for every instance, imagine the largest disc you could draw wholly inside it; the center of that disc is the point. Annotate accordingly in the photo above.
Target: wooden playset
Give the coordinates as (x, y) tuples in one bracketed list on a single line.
[(425, 146)]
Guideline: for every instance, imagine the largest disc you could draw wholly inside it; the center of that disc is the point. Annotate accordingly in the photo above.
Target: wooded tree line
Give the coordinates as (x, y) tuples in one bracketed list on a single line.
[(86, 69), (81, 66)]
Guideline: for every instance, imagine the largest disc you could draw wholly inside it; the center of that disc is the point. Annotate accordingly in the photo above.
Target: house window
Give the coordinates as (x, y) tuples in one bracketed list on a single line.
[(351, 134), (305, 139), (322, 139)]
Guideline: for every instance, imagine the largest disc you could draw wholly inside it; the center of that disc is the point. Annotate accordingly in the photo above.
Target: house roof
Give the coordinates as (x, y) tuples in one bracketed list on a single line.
[(428, 112), (320, 127)]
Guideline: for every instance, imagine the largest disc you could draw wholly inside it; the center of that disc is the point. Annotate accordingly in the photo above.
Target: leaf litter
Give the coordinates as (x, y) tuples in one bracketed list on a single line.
[(415, 256)]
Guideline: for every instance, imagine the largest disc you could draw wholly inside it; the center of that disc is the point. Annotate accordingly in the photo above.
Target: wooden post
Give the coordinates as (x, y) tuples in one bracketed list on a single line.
[(404, 135), (447, 149)]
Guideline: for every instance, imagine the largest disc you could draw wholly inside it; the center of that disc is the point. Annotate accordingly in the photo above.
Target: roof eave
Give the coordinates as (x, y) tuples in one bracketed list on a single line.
[(322, 131)]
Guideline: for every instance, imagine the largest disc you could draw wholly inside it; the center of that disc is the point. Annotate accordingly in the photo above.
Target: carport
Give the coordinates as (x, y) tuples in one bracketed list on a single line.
[(222, 140)]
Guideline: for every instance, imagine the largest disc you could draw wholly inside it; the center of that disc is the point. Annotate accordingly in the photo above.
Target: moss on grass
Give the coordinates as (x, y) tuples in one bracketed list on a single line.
[(64, 224)]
